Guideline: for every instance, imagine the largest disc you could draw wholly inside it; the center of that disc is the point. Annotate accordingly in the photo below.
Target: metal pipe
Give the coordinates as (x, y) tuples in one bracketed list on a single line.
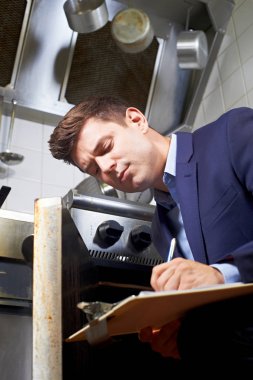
[(111, 205), (47, 299)]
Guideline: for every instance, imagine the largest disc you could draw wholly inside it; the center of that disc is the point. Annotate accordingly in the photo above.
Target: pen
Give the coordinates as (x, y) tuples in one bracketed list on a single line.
[(172, 249)]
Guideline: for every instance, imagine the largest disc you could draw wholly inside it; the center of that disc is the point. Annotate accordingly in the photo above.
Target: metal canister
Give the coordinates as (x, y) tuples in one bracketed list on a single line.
[(86, 16), (132, 30), (192, 49)]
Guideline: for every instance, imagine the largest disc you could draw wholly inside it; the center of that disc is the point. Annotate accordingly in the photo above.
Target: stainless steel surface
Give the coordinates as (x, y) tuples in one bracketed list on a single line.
[(41, 61), (15, 343), (44, 57), (110, 205), (37, 60), (87, 222), (108, 190), (192, 46), (166, 105), (192, 49), (85, 16), (132, 30), (14, 227), (15, 283), (90, 213), (13, 302), (15, 319), (8, 157)]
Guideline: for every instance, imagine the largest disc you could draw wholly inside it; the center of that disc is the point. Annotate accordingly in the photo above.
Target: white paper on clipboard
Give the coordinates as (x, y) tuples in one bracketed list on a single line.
[(154, 309)]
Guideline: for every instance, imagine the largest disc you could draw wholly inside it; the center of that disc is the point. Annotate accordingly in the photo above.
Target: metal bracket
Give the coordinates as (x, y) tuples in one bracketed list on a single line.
[(98, 331), (94, 310)]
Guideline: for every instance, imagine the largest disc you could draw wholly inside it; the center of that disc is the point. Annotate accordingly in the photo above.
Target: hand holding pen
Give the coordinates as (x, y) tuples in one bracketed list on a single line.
[(161, 274)]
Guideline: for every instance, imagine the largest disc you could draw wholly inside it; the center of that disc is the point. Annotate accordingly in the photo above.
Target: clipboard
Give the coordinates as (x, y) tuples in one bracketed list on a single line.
[(155, 309)]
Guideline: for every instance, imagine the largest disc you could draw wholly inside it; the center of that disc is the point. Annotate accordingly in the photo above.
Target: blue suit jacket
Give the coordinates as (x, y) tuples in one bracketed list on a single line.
[(214, 184)]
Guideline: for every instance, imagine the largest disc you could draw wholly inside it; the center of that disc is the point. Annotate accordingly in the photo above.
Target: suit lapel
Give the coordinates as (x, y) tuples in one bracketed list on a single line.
[(187, 191)]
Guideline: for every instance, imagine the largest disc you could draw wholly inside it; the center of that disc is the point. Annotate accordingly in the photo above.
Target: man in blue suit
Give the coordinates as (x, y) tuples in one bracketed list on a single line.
[(203, 183)]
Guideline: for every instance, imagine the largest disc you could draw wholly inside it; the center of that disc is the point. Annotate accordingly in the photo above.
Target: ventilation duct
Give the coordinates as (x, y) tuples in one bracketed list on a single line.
[(45, 61)]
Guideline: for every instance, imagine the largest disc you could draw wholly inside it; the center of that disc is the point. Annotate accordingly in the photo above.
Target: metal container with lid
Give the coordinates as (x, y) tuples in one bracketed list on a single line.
[(86, 16), (192, 49), (132, 30)]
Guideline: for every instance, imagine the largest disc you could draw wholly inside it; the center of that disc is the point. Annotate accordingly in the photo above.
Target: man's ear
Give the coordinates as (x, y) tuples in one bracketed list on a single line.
[(136, 118)]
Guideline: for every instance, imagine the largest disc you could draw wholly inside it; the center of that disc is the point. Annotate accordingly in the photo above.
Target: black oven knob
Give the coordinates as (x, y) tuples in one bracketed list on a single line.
[(140, 237), (109, 232)]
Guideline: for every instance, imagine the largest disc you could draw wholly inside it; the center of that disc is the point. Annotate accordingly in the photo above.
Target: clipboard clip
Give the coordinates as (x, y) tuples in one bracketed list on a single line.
[(97, 332), (94, 310)]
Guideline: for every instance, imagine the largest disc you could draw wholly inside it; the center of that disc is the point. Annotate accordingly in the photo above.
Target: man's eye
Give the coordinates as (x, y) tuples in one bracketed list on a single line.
[(107, 145), (97, 170)]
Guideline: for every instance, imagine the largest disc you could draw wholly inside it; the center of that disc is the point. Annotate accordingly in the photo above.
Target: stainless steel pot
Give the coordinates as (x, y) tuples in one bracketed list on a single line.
[(85, 16), (132, 30), (192, 49)]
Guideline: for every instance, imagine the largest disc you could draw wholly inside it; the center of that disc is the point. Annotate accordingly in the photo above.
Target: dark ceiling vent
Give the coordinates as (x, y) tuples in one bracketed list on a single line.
[(100, 67), (47, 67), (11, 19)]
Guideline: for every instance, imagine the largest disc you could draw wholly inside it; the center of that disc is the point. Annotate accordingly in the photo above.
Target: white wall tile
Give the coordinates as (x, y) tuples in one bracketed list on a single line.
[(22, 195), (242, 16), (229, 36), (238, 3), (243, 102), (248, 73), (245, 44), (213, 105), (5, 172), (47, 130), (213, 81), (27, 134), (78, 176), (54, 191), (228, 61), (56, 172), (31, 166), (233, 88), (250, 98), (199, 119)]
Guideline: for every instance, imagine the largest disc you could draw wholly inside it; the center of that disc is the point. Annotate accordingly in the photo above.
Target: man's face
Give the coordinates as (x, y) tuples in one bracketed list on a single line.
[(123, 156)]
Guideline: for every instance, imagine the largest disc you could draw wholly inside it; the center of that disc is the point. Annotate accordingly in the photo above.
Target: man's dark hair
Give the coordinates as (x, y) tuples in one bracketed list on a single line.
[(65, 135)]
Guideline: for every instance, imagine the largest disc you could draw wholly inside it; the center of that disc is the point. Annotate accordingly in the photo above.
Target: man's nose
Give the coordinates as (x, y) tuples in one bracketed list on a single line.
[(106, 164)]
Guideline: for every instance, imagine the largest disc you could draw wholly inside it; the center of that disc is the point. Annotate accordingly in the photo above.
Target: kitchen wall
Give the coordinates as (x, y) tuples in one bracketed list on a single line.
[(231, 82), (39, 175)]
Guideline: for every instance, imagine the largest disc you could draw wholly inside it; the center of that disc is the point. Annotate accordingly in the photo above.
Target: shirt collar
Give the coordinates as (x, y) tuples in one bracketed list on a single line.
[(162, 197), (170, 166)]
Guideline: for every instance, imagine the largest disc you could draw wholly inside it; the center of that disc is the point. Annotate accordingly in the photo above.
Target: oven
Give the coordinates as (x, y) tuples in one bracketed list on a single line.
[(15, 298), (108, 255), (105, 254)]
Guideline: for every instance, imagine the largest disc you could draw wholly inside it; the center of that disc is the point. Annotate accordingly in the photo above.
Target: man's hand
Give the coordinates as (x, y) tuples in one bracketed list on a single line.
[(164, 340), (181, 274), (177, 274)]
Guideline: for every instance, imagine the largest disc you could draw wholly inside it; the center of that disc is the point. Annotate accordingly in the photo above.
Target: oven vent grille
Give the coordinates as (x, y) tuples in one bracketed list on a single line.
[(118, 257)]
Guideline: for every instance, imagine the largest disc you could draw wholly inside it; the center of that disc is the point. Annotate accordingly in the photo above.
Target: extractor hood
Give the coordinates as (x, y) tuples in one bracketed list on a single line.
[(50, 60)]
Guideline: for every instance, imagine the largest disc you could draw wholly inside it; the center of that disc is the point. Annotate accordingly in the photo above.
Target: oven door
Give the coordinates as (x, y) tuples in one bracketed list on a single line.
[(15, 320)]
